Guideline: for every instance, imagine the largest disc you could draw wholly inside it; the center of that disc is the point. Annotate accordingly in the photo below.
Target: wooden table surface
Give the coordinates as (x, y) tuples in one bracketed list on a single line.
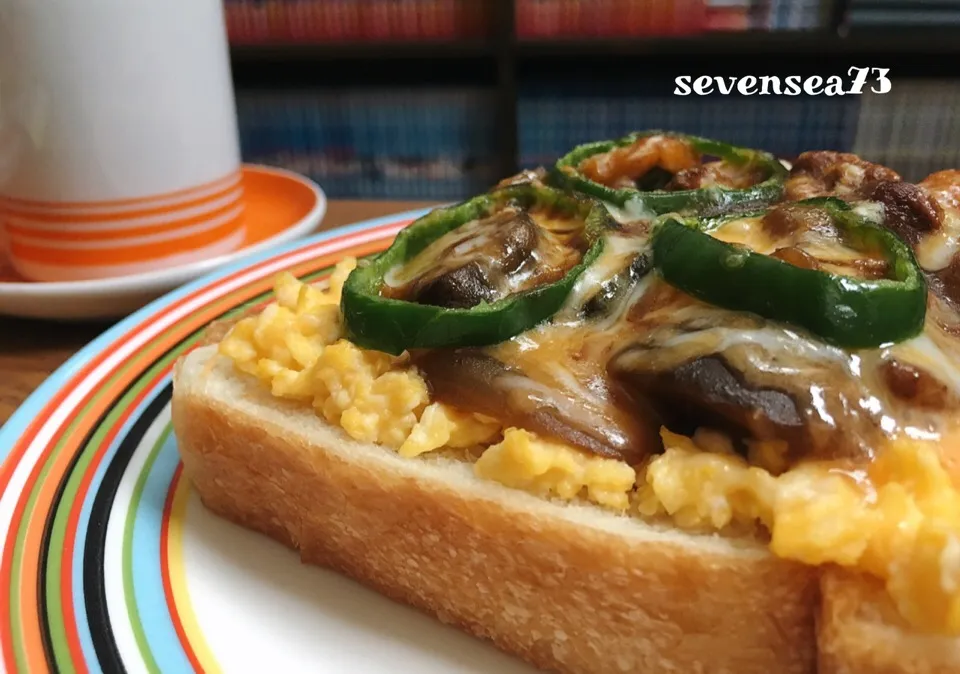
[(30, 350)]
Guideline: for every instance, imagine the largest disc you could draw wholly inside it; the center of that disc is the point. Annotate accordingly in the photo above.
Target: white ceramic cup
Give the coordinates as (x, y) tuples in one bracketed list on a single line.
[(119, 149)]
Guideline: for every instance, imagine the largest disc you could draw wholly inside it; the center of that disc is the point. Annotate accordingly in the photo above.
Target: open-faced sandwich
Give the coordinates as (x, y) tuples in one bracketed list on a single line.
[(666, 407)]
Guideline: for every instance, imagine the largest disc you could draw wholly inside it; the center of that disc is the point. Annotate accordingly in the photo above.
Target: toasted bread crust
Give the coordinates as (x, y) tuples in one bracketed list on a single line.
[(559, 593), (860, 632)]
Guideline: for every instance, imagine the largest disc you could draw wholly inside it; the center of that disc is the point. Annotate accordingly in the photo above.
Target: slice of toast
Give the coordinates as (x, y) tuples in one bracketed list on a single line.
[(569, 588), (861, 632)]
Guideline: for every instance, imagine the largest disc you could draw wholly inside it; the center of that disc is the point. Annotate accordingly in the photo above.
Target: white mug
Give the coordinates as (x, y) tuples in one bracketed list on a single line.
[(119, 149)]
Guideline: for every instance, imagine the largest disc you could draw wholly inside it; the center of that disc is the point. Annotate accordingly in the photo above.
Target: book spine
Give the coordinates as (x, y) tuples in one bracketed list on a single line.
[(552, 120), (375, 144)]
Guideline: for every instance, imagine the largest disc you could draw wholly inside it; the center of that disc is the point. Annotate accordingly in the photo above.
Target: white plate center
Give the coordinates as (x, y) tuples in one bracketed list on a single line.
[(261, 610)]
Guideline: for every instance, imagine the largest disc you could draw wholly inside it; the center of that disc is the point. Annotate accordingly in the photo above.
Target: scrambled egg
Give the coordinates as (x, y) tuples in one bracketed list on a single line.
[(898, 520), (296, 346), (524, 461)]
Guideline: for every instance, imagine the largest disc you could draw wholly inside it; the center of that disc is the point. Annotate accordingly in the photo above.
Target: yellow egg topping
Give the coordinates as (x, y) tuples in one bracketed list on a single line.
[(297, 348), (898, 519), (524, 461)]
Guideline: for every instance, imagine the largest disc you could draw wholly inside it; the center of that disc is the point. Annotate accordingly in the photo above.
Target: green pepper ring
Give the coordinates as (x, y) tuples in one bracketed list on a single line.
[(844, 311), (715, 200), (394, 326)]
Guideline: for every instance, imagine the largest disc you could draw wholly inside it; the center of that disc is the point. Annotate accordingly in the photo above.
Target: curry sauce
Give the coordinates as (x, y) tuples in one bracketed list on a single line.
[(644, 400)]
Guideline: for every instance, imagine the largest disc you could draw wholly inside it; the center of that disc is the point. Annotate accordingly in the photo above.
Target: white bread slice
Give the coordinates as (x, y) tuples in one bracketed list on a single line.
[(567, 588), (861, 632)]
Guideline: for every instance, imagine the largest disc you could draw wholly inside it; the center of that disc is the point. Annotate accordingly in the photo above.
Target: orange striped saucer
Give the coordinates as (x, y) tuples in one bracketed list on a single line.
[(279, 206)]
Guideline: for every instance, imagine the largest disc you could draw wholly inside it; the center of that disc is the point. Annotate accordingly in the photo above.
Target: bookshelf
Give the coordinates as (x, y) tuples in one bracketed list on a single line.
[(503, 59)]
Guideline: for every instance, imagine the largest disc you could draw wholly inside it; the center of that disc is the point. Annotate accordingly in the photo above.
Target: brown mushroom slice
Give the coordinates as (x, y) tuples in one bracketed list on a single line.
[(499, 248), (908, 211), (915, 385), (515, 243), (818, 407), (796, 256), (825, 173), (946, 283), (535, 176), (938, 245), (707, 391), (788, 219), (806, 236), (472, 380), (460, 288), (714, 173)]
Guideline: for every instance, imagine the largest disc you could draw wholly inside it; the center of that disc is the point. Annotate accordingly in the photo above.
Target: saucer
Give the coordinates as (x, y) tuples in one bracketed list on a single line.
[(279, 206)]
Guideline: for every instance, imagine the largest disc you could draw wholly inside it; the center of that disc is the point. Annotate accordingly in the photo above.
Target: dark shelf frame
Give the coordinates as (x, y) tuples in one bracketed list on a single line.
[(822, 42), (508, 94), (499, 61)]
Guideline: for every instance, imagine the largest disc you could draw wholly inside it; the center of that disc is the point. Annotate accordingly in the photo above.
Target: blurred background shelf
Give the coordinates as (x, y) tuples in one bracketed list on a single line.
[(284, 52), (438, 99), (813, 42)]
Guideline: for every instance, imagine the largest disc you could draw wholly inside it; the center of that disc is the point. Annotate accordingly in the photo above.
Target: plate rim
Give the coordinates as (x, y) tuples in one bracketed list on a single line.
[(180, 274), (13, 427)]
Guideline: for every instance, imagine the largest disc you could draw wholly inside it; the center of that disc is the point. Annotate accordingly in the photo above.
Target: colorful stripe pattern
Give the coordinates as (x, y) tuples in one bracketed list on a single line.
[(96, 239), (92, 577)]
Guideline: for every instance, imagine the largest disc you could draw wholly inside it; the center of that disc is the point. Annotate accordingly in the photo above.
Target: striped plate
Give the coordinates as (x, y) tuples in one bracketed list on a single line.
[(109, 563)]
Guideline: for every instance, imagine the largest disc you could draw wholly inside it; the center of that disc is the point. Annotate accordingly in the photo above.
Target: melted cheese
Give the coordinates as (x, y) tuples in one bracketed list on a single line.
[(618, 252), (833, 255), (634, 210), (474, 240), (464, 240), (772, 338), (898, 519), (937, 249), (924, 352), (870, 210)]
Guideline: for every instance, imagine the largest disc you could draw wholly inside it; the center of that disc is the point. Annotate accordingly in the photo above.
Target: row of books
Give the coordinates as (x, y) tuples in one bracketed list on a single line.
[(554, 117), (609, 18), (904, 13), (391, 122), (400, 144), (791, 15), (256, 21), (913, 129), (443, 144)]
